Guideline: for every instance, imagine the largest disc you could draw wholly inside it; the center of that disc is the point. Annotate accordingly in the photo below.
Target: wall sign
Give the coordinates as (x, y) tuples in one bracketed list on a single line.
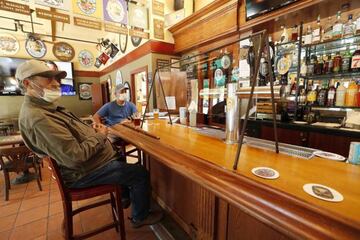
[(59, 4), (159, 29), (138, 16), (91, 8), (9, 45), (115, 28), (82, 22), (35, 48), (63, 51), (86, 58), (163, 65), (53, 16), (85, 91), (158, 8), (115, 11), (140, 34), (14, 7)]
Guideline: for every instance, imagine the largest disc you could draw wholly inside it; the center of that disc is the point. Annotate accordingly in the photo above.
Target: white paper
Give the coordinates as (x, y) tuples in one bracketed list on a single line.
[(171, 102), (244, 69)]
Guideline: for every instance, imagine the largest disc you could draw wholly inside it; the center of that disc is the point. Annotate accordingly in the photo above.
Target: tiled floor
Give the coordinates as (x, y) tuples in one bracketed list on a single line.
[(33, 214)]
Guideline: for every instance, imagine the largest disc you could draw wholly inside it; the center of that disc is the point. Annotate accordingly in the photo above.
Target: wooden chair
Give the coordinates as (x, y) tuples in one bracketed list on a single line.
[(69, 195), (17, 159), (121, 145)]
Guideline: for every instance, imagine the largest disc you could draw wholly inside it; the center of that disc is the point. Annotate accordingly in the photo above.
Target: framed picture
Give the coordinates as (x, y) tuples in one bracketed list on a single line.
[(85, 91)]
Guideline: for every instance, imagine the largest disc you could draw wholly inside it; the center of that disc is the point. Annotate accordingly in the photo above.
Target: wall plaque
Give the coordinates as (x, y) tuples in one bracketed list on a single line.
[(158, 8), (115, 28), (53, 16), (14, 7), (159, 29), (82, 22), (140, 34), (63, 51)]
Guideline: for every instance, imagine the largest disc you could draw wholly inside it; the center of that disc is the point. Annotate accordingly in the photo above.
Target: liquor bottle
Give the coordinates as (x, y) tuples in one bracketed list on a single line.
[(311, 65), (355, 60), (284, 38), (302, 98), (319, 66), (327, 30), (357, 31), (350, 95), (322, 96), (337, 62), (326, 65), (294, 33), (340, 95), (308, 36), (303, 68), (263, 71), (349, 27), (293, 88), (338, 27), (316, 34), (346, 59), (331, 95), (311, 94)]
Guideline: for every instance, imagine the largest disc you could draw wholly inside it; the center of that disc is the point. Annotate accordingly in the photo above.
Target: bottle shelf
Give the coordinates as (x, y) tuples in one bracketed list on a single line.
[(334, 44), (343, 109), (333, 75)]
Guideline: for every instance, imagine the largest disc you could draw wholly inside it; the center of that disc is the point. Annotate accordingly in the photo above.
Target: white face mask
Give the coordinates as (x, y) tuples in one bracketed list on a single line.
[(122, 97), (49, 95)]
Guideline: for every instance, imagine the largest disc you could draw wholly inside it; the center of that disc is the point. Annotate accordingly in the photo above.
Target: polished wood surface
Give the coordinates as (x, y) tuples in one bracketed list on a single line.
[(208, 162)]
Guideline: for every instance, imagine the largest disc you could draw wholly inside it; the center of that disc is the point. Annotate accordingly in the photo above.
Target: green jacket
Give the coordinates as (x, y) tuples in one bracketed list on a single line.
[(50, 130)]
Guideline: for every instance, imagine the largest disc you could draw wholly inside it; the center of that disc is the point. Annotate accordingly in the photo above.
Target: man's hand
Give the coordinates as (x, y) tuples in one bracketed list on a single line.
[(101, 128)]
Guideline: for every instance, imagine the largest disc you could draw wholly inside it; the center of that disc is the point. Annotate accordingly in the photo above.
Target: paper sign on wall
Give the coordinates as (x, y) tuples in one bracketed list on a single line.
[(59, 4), (171, 102)]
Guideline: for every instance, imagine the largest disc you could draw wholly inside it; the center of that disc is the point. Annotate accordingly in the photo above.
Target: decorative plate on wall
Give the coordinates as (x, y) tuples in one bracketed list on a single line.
[(87, 6), (35, 48), (85, 91), (86, 58), (63, 51), (9, 45), (136, 41), (116, 11), (123, 40)]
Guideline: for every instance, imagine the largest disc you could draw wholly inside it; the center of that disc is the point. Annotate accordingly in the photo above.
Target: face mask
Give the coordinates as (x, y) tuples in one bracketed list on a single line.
[(49, 95), (122, 97)]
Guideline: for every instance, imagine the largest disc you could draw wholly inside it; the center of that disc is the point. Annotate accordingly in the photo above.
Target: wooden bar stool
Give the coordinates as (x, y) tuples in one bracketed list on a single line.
[(69, 195)]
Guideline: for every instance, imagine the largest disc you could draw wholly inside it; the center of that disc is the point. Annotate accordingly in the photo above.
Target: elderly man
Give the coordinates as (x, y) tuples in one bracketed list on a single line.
[(85, 156), (116, 111)]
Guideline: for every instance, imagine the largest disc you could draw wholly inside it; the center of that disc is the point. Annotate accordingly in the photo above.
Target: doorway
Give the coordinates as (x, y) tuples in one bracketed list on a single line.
[(139, 88)]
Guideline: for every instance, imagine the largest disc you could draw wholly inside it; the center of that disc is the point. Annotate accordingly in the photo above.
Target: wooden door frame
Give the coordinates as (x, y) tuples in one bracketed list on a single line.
[(132, 77)]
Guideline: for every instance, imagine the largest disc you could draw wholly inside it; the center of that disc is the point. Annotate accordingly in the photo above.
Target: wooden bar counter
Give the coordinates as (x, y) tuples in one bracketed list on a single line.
[(192, 177)]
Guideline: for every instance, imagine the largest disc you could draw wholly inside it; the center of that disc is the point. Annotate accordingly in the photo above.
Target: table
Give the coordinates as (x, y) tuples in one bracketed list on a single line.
[(11, 140)]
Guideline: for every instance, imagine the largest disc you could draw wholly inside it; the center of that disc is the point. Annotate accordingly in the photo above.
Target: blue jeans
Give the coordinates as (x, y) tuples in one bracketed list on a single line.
[(132, 177)]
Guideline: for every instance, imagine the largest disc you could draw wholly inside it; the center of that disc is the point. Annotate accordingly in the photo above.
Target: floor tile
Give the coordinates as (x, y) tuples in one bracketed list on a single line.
[(55, 208), (32, 203), (9, 209), (32, 215), (5, 235), (7, 223), (30, 231)]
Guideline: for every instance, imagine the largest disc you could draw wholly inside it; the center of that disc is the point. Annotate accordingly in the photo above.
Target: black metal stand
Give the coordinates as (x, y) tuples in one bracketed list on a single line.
[(148, 97), (264, 43)]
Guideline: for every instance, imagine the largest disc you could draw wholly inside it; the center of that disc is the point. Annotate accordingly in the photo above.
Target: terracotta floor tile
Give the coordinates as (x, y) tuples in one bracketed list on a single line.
[(13, 197), (30, 231), (55, 196), (43, 237), (55, 222), (55, 236), (36, 193), (35, 202), (5, 235), (7, 223), (55, 208), (32, 215), (9, 209)]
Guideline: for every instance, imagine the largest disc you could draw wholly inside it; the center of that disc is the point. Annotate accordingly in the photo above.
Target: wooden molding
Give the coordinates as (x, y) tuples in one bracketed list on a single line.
[(148, 47), (287, 214), (79, 73), (197, 15)]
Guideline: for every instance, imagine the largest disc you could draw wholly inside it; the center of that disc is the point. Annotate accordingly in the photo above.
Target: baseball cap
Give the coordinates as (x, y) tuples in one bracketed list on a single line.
[(120, 87), (34, 67)]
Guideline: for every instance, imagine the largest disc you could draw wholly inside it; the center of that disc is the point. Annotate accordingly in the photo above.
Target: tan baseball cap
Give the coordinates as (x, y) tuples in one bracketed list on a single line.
[(34, 67)]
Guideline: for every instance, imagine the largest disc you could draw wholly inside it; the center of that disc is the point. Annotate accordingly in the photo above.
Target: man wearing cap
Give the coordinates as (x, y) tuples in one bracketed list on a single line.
[(116, 111), (85, 156)]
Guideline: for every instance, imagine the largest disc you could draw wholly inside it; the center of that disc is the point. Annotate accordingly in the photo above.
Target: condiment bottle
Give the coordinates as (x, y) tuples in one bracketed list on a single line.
[(340, 95), (350, 96)]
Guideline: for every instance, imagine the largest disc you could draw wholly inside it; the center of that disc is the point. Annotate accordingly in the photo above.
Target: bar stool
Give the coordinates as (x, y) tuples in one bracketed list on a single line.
[(69, 195)]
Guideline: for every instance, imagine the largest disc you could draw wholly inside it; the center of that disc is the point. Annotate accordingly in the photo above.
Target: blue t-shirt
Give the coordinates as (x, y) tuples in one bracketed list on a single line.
[(113, 113)]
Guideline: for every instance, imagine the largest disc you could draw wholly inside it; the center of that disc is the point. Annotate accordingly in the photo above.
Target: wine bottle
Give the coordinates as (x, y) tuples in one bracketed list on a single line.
[(355, 60), (338, 27), (331, 95)]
